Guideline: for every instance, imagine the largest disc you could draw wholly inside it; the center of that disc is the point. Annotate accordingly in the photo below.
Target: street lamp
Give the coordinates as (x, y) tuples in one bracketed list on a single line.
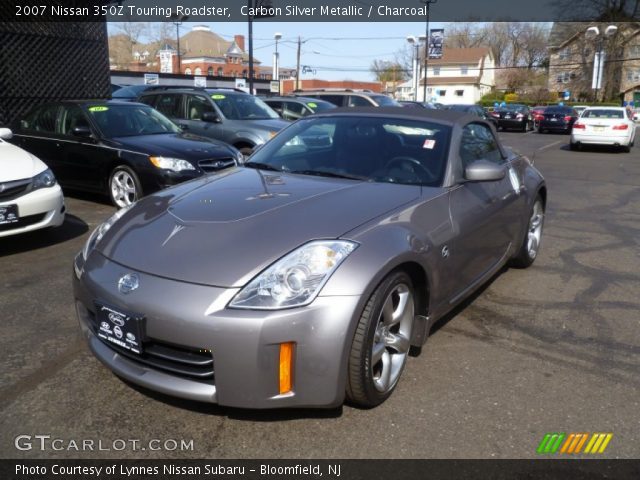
[(593, 33), (276, 58), (177, 21), (426, 46), (413, 41)]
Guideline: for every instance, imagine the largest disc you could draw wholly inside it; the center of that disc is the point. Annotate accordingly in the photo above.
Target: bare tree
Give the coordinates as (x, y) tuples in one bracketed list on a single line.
[(388, 71), (464, 35)]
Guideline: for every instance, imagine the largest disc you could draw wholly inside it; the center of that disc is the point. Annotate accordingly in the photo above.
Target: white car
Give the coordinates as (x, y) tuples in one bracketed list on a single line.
[(30, 197), (604, 126)]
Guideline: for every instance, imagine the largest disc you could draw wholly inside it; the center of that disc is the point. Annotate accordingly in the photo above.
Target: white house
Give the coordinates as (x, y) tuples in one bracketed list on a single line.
[(462, 75)]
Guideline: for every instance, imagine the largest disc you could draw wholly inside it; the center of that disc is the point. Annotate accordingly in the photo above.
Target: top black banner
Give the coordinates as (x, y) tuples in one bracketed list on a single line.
[(319, 10)]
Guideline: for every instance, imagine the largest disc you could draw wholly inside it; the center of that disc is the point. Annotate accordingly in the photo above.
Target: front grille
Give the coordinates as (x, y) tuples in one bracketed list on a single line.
[(216, 164), (23, 222), (14, 189), (181, 361)]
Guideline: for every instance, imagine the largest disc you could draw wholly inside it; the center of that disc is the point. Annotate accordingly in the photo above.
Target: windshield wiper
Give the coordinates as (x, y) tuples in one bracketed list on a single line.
[(322, 173), (262, 166)]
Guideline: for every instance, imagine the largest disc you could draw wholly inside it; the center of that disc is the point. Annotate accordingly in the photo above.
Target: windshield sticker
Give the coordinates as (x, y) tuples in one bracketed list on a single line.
[(312, 104), (98, 109), (218, 96), (429, 144)]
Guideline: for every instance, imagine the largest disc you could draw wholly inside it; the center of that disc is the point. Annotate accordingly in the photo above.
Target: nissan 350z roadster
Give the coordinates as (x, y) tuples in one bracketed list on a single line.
[(304, 276)]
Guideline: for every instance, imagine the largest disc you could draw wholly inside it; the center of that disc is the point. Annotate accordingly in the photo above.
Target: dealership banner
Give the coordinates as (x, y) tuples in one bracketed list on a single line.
[(436, 39), (314, 469), (313, 10)]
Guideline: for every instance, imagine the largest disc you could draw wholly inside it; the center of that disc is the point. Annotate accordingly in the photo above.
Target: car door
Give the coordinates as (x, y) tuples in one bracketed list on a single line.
[(481, 212), (37, 134), (276, 105), (84, 161), (196, 106)]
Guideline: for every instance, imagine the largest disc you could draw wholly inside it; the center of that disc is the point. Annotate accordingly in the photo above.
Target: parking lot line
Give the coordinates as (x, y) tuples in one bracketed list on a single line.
[(550, 145)]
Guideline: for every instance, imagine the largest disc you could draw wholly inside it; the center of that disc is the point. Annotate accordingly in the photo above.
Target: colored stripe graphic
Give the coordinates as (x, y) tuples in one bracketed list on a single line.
[(550, 443), (598, 443), (573, 443)]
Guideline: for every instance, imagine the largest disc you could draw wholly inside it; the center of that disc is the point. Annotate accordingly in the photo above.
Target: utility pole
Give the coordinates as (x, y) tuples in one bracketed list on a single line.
[(250, 18), (298, 64)]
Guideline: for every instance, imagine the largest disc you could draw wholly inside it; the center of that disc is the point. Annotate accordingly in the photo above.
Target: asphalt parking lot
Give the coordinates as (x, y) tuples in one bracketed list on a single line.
[(555, 348)]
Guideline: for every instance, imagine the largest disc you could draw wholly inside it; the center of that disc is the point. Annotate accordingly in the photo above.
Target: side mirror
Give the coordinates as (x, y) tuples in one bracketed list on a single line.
[(484, 171), (82, 131), (6, 133), (211, 117)]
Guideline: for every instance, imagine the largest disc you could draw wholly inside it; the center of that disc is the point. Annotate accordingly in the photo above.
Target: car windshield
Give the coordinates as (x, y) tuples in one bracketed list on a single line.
[(239, 106), (387, 150), (459, 108), (513, 108), (385, 101), (566, 110), (602, 113), (130, 120)]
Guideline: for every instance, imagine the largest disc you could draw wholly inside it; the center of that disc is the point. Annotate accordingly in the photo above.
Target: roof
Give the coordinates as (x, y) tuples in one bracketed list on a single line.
[(461, 55), (435, 81), (296, 98), (203, 43), (447, 117)]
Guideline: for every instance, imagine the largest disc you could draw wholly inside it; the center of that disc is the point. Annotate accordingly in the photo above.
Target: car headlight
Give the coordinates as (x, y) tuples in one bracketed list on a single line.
[(43, 180), (175, 164), (296, 279), (99, 232)]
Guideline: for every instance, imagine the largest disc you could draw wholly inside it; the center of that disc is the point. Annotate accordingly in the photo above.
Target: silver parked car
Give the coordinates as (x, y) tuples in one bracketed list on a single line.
[(305, 275)]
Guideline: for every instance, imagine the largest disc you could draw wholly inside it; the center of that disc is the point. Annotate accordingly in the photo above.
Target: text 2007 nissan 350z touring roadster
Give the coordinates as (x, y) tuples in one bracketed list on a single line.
[(304, 276)]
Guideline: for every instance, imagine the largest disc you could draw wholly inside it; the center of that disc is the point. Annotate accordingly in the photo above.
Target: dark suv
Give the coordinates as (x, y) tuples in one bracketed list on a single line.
[(350, 98), (230, 115)]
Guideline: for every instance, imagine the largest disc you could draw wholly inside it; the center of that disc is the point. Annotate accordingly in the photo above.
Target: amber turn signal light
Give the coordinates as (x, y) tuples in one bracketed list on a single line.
[(286, 367)]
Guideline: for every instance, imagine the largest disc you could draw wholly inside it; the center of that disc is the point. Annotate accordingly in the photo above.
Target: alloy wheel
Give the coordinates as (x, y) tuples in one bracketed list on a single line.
[(535, 229), (391, 340), (123, 188)]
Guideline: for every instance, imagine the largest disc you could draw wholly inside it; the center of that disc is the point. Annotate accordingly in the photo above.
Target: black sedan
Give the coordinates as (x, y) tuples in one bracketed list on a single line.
[(124, 149), (474, 110), (515, 116), (557, 119)]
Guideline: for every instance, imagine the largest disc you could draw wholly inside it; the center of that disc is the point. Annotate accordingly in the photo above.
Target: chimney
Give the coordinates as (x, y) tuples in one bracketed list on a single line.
[(239, 39)]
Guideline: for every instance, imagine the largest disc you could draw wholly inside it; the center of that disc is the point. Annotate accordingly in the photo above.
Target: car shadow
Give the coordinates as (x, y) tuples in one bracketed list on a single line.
[(72, 227), (266, 415), (466, 302), (594, 148), (87, 196)]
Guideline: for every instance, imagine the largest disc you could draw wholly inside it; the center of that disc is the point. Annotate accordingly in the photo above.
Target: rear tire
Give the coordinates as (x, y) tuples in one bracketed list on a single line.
[(530, 246), (124, 186), (380, 346), (573, 146)]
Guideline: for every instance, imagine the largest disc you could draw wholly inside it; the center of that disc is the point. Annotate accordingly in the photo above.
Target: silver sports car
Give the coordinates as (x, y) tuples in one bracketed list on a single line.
[(305, 276)]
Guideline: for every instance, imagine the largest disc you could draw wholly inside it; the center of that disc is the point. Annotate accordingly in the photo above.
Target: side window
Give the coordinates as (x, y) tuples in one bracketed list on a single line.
[(149, 100), (196, 106), (293, 110), (335, 99), (478, 143), (356, 101), (45, 120), (169, 105), (72, 117), (276, 106), (28, 123)]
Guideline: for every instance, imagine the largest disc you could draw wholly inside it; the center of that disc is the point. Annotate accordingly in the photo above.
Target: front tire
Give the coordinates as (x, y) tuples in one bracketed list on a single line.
[(381, 343), (124, 186), (530, 246)]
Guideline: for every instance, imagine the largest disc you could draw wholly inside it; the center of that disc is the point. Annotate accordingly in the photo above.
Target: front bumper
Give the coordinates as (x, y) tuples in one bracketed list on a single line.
[(41, 208), (245, 344)]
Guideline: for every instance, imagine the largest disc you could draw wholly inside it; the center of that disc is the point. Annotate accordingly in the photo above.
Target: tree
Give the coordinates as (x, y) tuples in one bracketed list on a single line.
[(389, 71)]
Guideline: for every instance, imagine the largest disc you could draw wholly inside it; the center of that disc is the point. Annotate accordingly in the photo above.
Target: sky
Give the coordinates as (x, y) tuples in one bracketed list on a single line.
[(336, 51)]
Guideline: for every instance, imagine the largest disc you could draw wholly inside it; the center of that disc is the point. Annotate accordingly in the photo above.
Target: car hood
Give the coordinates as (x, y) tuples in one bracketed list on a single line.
[(177, 145), (16, 164), (224, 229)]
